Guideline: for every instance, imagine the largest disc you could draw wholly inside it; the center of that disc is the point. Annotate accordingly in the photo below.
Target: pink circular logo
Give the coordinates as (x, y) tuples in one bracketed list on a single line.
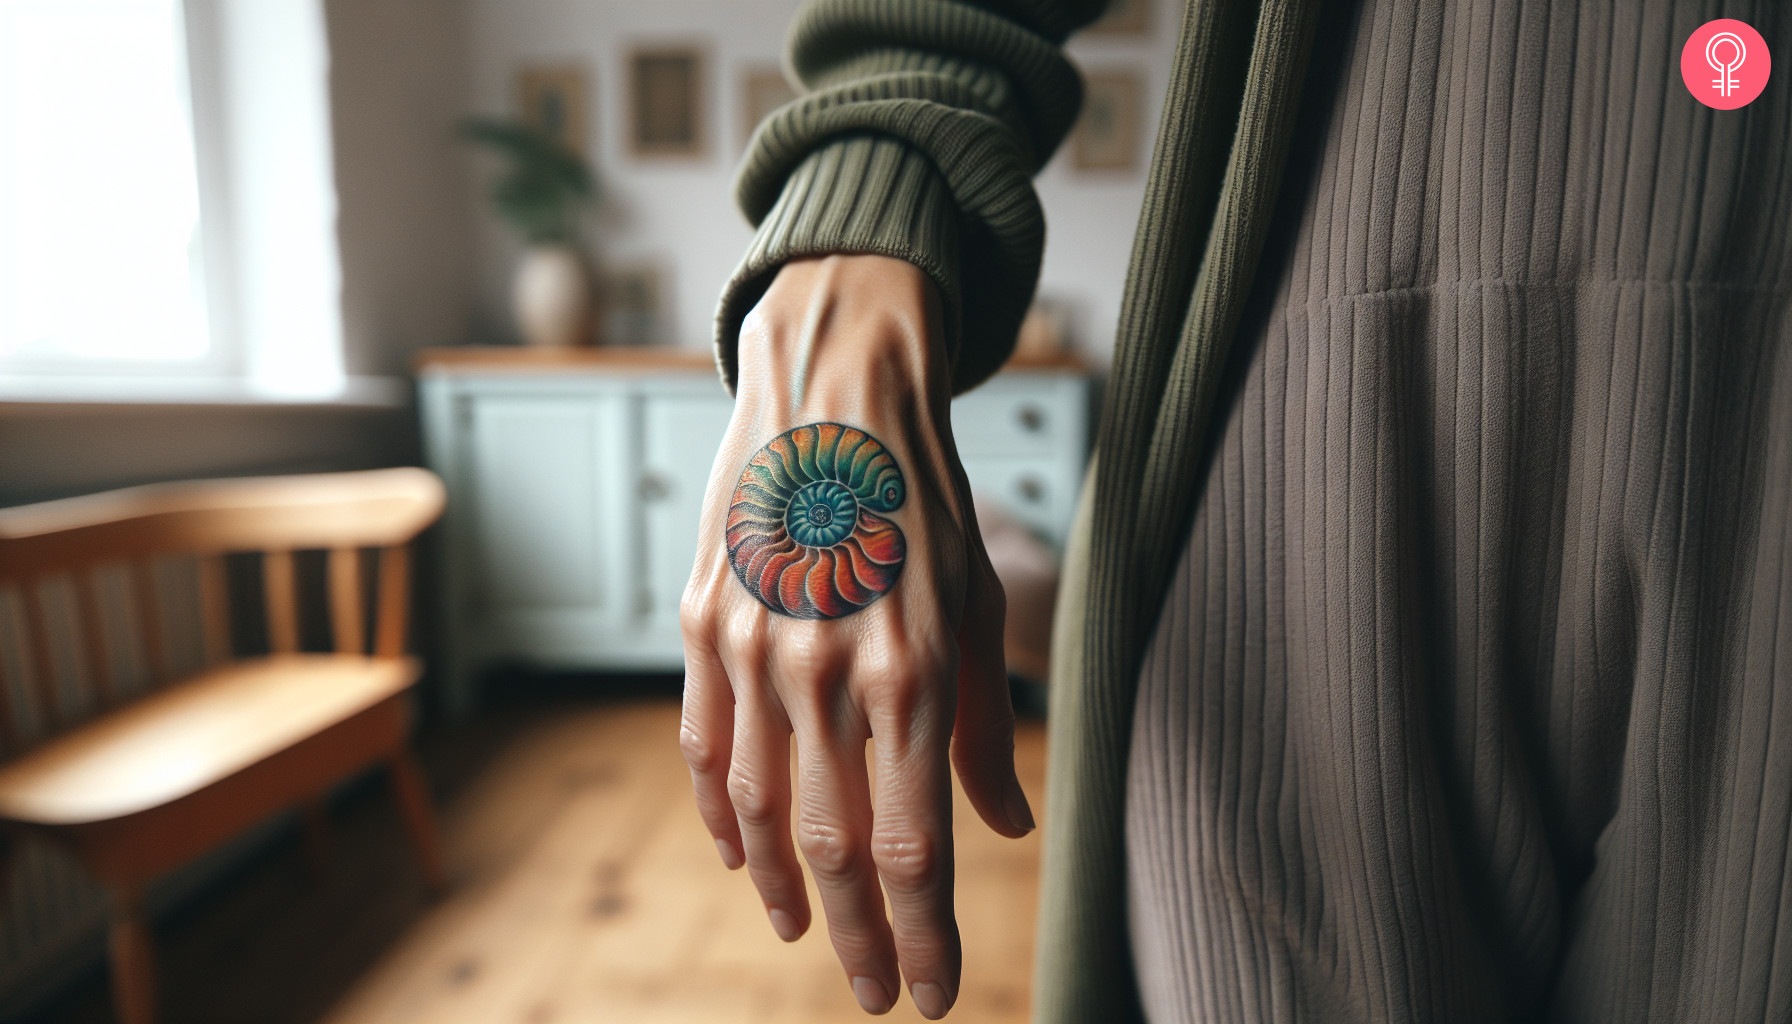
[(1725, 64)]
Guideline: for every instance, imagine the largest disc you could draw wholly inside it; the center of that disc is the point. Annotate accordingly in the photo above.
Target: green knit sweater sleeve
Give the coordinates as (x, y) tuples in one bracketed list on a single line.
[(921, 127)]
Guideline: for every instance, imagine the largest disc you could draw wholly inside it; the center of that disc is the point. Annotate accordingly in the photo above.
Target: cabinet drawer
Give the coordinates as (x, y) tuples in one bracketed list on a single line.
[(1038, 492), (1017, 420)]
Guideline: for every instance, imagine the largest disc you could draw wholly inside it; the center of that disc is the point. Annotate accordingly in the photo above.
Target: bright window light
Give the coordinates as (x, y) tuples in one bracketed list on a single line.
[(100, 258)]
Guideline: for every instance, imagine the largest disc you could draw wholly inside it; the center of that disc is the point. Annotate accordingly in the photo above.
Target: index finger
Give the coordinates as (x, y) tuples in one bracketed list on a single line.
[(706, 737)]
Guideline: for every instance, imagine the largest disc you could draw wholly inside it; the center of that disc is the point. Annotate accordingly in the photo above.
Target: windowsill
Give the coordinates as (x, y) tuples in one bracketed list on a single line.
[(21, 393)]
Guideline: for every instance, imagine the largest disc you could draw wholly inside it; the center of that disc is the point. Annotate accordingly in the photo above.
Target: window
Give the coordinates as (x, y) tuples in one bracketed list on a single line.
[(167, 204), (101, 262)]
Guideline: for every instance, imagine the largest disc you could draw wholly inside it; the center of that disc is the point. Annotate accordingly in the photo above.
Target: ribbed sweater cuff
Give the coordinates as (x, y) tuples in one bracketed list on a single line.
[(859, 194)]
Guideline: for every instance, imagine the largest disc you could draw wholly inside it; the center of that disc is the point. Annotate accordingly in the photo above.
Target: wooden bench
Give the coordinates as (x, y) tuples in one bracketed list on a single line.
[(135, 784)]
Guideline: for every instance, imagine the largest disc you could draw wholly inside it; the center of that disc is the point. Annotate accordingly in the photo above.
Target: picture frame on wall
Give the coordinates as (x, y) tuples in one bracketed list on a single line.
[(763, 89), (551, 99), (633, 300), (1106, 137), (1124, 17), (668, 102)]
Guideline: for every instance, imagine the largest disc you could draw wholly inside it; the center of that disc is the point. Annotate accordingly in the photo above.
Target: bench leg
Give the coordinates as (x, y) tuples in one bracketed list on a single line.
[(314, 831), (419, 818), (133, 961)]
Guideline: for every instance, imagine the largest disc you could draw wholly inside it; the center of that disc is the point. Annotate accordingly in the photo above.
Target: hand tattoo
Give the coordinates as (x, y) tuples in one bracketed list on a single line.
[(804, 535)]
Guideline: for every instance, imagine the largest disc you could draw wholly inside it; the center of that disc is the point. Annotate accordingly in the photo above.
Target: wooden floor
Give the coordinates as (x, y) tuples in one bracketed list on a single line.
[(585, 889)]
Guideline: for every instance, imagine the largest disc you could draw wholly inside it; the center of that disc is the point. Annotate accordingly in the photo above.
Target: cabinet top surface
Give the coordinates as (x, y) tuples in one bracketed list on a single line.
[(508, 359)]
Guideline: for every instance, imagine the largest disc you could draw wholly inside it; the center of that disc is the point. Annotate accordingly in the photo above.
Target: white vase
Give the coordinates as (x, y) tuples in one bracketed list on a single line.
[(552, 297)]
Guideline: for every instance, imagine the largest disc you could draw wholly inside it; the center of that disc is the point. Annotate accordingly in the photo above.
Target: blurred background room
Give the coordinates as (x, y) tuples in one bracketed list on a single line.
[(356, 404)]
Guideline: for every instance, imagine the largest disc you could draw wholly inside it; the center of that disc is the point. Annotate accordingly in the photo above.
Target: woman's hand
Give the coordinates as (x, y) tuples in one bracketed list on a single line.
[(841, 593)]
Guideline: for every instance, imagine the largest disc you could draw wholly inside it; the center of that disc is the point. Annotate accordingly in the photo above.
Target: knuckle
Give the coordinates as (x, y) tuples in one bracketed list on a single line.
[(810, 664), (747, 638), (908, 862), (698, 751), (754, 802), (694, 618), (832, 851), (697, 606), (891, 681), (901, 689), (895, 695), (806, 656)]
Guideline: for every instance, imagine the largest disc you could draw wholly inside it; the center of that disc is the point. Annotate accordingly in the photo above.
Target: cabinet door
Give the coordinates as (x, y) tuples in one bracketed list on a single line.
[(1039, 493), (549, 516), (680, 435)]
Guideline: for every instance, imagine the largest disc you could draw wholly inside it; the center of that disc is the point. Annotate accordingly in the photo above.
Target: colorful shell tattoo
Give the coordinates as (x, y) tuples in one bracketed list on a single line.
[(804, 534)]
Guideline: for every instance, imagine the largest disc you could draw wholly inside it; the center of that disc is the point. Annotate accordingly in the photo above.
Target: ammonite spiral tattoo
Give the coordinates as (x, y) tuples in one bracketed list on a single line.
[(804, 533)]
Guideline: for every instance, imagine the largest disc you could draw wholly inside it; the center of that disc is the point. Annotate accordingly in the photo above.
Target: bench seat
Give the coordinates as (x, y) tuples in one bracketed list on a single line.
[(193, 734)]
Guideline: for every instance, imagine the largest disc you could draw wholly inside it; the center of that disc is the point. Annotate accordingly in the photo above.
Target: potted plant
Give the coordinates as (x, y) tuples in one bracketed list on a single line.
[(541, 194)]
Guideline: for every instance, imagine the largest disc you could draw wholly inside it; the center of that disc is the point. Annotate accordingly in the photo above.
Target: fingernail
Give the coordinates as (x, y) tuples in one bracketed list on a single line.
[(731, 857), (930, 999), (1019, 814), (872, 995), (785, 925)]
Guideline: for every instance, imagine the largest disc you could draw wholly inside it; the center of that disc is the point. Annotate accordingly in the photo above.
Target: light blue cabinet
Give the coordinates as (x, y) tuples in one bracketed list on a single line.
[(678, 450), (575, 485)]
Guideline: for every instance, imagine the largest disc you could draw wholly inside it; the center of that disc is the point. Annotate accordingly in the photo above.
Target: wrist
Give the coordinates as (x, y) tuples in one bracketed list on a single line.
[(864, 194), (846, 335)]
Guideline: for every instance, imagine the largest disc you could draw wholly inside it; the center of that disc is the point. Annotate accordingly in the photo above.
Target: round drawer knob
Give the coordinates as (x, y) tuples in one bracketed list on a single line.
[(654, 487), (1031, 417), (1030, 489)]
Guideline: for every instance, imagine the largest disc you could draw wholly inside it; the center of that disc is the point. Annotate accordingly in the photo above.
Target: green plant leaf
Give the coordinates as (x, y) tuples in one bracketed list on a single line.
[(544, 186)]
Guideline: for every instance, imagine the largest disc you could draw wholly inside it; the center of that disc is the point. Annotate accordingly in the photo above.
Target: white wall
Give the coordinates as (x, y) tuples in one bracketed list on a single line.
[(682, 214), (1091, 216), (398, 83)]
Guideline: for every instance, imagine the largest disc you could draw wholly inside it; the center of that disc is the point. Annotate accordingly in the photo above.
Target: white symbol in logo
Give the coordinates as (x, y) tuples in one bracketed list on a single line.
[(1725, 83)]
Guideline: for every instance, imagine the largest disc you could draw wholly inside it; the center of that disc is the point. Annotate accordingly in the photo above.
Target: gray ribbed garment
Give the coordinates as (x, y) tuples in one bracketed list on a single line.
[(1471, 699)]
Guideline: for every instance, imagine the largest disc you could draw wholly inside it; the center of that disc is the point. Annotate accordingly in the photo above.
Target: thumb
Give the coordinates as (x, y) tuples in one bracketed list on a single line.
[(983, 730)]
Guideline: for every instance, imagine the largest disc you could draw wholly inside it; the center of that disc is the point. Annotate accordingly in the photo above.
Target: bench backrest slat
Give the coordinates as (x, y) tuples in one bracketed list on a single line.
[(371, 509), (84, 539), (348, 626)]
